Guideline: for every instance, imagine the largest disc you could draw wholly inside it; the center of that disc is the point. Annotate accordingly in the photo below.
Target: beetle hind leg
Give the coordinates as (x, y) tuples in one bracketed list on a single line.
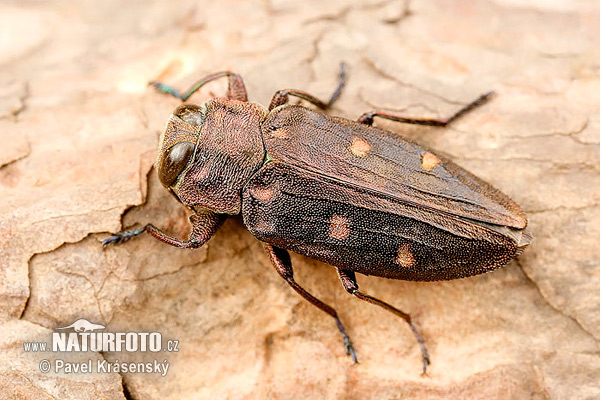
[(367, 118), (283, 264), (281, 97), (348, 279)]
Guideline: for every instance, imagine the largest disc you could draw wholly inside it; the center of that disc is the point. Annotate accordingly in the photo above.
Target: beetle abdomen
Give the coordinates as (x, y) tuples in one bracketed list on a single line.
[(370, 233)]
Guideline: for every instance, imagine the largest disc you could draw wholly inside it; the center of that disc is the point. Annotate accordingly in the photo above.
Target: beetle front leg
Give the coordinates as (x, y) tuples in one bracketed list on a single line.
[(283, 264), (281, 97), (204, 226), (236, 90), (367, 118), (348, 279)]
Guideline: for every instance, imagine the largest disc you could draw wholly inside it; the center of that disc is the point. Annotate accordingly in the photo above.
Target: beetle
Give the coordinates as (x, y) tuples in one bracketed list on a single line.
[(359, 198)]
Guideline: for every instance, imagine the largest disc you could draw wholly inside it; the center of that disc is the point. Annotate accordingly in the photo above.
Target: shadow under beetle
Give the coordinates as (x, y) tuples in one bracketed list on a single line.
[(343, 192)]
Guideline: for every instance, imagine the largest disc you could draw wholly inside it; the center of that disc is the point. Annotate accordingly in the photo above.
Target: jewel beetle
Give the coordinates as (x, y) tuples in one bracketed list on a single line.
[(359, 198)]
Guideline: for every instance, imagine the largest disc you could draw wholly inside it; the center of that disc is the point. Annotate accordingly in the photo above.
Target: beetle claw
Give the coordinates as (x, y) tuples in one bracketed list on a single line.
[(350, 350), (347, 343)]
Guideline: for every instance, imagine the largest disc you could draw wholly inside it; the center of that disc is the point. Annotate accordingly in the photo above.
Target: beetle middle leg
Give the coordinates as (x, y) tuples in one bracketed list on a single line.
[(204, 226), (348, 279), (281, 97), (236, 90), (367, 118), (283, 264)]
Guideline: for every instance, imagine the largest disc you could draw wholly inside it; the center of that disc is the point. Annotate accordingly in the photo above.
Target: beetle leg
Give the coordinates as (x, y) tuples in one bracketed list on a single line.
[(204, 226), (367, 118), (123, 236), (281, 97), (236, 89), (348, 279), (283, 264)]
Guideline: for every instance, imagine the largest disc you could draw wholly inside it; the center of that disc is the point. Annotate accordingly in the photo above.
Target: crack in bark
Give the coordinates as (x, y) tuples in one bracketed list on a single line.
[(19, 158), (95, 292), (74, 215), (503, 159), (22, 94), (558, 55), (127, 208), (537, 90), (64, 243), (31, 384), (578, 166), (424, 106), (569, 134), (29, 261), (26, 304), (371, 64), (158, 275), (562, 208), (23, 100), (314, 54), (336, 17), (555, 308), (406, 12), (126, 392)]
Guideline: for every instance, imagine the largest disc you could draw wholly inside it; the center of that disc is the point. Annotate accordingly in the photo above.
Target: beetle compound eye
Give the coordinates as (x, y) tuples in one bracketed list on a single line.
[(174, 162), (191, 114)]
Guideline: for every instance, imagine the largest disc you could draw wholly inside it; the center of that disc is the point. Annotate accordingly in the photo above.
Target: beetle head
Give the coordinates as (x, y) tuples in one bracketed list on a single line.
[(178, 143), (209, 152)]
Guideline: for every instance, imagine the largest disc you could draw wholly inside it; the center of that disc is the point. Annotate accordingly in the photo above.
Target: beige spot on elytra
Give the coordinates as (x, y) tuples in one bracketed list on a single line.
[(339, 227), (263, 193), (264, 227), (405, 258), (360, 147), (429, 161)]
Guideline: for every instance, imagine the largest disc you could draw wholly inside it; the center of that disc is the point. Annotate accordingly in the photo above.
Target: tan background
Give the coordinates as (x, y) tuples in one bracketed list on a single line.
[(79, 129)]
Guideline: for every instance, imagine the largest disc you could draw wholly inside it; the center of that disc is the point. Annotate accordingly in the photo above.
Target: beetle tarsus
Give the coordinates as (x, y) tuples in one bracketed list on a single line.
[(367, 118), (236, 89), (424, 352), (347, 343), (475, 103), (283, 265), (369, 299), (348, 279), (161, 87), (341, 83), (123, 236)]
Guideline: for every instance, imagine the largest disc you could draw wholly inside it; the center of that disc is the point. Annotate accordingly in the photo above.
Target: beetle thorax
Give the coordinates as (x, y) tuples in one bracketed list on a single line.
[(228, 152)]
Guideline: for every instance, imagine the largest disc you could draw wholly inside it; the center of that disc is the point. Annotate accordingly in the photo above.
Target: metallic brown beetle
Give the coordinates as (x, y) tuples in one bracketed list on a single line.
[(343, 192)]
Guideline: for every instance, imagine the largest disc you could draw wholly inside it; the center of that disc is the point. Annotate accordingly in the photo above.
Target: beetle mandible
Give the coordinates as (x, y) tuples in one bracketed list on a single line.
[(343, 192)]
